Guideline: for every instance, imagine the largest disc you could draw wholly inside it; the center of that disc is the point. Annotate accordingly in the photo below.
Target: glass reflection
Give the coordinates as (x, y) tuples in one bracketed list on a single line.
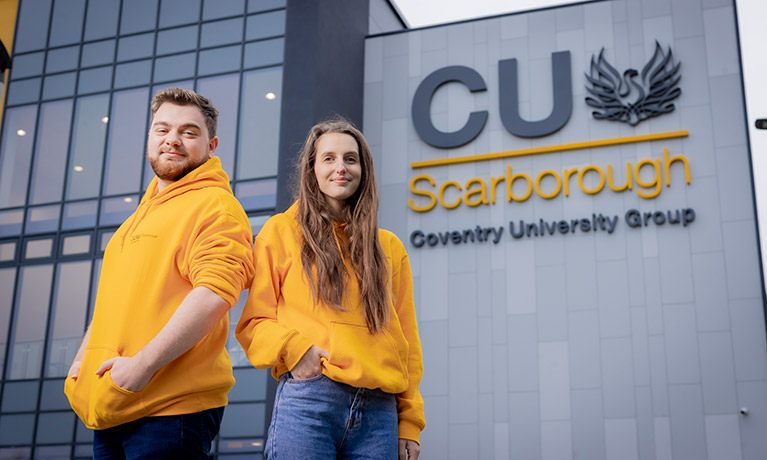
[(70, 305), (265, 25), (81, 214), (259, 124), (212, 9), (16, 154), (221, 32), (54, 427), (76, 244), (87, 155), (7, 253), (30, 317), (138, 16), (33, 17), (236, 353), (10, 222), (261, 194), (67, 22), (7, 280), (224, 92), (101, 20), (115, 210), (177, 40), (41, 219), (51, 152), (178, 12), (127, 133), (39, 249)]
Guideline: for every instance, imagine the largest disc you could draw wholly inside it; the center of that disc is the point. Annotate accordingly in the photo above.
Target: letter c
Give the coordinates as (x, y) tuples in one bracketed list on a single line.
[(421, 109)]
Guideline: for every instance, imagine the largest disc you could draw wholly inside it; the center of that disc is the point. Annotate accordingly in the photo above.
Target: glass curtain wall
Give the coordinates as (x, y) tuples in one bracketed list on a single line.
[(72, 168)]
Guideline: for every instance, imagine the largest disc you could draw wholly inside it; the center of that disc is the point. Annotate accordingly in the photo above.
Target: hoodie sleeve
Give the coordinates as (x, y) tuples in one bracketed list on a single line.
[(409, 402), (266, 342), (221, 257)]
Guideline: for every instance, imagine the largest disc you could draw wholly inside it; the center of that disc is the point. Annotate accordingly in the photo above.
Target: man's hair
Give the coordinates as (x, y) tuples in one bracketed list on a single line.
[(180, 96)]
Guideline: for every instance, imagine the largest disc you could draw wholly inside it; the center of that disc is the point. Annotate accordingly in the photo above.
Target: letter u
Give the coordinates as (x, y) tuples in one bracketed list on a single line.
[(508, 97)]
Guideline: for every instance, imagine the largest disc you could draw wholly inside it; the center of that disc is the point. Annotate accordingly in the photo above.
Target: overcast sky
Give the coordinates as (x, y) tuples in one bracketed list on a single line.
[(752, 21)]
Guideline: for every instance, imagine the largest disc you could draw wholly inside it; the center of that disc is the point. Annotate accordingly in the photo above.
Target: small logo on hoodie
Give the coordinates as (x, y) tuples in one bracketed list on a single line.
[(140, 236)]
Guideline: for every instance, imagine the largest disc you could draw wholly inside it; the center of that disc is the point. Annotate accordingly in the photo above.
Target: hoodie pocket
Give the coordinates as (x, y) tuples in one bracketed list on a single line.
[(363, 359), (97, 400)]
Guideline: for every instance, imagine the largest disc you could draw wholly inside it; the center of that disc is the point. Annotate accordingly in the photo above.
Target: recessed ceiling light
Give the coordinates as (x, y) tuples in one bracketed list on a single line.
[(128, 199), (78, 168), (271, 96), (21, 132), (105, 120)]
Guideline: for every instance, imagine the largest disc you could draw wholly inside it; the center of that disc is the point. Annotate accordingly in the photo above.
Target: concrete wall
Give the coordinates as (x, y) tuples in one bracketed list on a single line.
[(640, 343)]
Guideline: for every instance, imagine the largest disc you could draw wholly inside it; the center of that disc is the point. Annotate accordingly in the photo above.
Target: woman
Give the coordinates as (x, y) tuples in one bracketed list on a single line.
[(331, 313)]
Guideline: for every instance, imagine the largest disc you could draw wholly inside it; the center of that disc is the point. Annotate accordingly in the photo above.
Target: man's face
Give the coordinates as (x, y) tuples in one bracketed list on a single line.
[(178, 142)]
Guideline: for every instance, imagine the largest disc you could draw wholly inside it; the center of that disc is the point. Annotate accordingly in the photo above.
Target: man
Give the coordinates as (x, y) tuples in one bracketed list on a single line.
[(152, 373)]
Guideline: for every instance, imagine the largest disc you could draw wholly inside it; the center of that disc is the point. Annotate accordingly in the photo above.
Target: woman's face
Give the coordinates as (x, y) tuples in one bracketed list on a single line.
[(337, 168)]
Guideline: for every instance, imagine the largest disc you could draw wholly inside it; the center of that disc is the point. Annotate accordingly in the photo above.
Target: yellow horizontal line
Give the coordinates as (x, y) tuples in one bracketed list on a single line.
[(551, 148)]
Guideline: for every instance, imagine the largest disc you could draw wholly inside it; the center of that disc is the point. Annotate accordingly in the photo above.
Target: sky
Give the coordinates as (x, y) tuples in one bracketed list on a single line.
[(752, 16)]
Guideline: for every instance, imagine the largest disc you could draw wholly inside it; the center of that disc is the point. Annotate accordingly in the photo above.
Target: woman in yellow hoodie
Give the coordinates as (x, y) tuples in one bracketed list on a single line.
[(331, 313)]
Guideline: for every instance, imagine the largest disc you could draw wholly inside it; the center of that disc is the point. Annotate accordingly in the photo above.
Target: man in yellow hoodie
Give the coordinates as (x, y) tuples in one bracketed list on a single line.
[(152, 373)]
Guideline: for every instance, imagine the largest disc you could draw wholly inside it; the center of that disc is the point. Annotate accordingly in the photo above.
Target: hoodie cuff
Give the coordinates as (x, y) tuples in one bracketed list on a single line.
[(409, 430)]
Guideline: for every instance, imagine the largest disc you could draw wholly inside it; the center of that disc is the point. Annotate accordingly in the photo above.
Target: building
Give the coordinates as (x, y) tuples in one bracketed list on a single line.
[(586, 271)]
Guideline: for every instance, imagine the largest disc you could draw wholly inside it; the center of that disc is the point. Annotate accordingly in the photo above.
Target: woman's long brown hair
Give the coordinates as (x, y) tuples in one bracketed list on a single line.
[(322, 253)]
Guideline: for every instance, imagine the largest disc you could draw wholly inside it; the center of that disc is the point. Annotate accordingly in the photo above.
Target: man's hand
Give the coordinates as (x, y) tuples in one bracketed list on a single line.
[(74, 369), (408, 450), (309, 364), (127, 373)]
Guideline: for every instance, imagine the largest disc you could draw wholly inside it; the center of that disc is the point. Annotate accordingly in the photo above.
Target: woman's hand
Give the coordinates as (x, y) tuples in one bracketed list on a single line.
[(309, 364), (408, 449)]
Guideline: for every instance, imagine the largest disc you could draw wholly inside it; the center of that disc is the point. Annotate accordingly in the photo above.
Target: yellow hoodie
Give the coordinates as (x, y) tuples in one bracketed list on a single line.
[(280, 323), (192, 233)]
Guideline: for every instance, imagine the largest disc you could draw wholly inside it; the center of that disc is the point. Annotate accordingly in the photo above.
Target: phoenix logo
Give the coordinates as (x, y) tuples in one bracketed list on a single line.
[(628, 100)]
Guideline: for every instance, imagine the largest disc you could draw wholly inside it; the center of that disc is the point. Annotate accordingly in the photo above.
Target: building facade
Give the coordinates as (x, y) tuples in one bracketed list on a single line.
[(572, 186)]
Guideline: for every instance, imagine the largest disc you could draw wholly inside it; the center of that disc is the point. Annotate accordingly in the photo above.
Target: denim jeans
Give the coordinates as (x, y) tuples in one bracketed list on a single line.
[(171, 437), (321, 419)]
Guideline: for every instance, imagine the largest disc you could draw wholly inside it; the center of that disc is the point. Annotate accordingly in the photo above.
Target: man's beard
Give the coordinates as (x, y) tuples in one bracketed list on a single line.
[(172, 171)]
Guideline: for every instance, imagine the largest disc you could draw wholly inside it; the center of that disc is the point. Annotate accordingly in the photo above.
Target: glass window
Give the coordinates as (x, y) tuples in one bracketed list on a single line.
[(7, 281), (20, 396), (213, 9), (53, 397), (83, 434), (23, 91), (88, 137), (138, 16), (55, 427), (62, 59), (243, 420), (42, 219), (104, 239), (251, 383), (133, 74), (94, 287), (260, 194), (81, 214), (178, 12), (101, 19), (15, 155), (7, 254), (265, 25), (241, 446), (127, 132), (219, 60), (51, 152), (13, 453), (11, 221), (38, 249), (58, 86), (33, 18), (30, 318), (67, 22), (95, 80), (27, 65), (115, 210), (236, 353), (135, 47), (76, 244), (221, 32), (16, 429), (52, 452), (256, 222), (259, 124), (224, 92), (177, 40), (70, 305), (264, 53), (174, 67), (263, 5), (98, 53)]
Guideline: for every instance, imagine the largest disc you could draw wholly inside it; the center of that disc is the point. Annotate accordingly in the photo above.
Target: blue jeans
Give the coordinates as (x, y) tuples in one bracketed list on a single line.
[(186, 436), (321, 419)]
